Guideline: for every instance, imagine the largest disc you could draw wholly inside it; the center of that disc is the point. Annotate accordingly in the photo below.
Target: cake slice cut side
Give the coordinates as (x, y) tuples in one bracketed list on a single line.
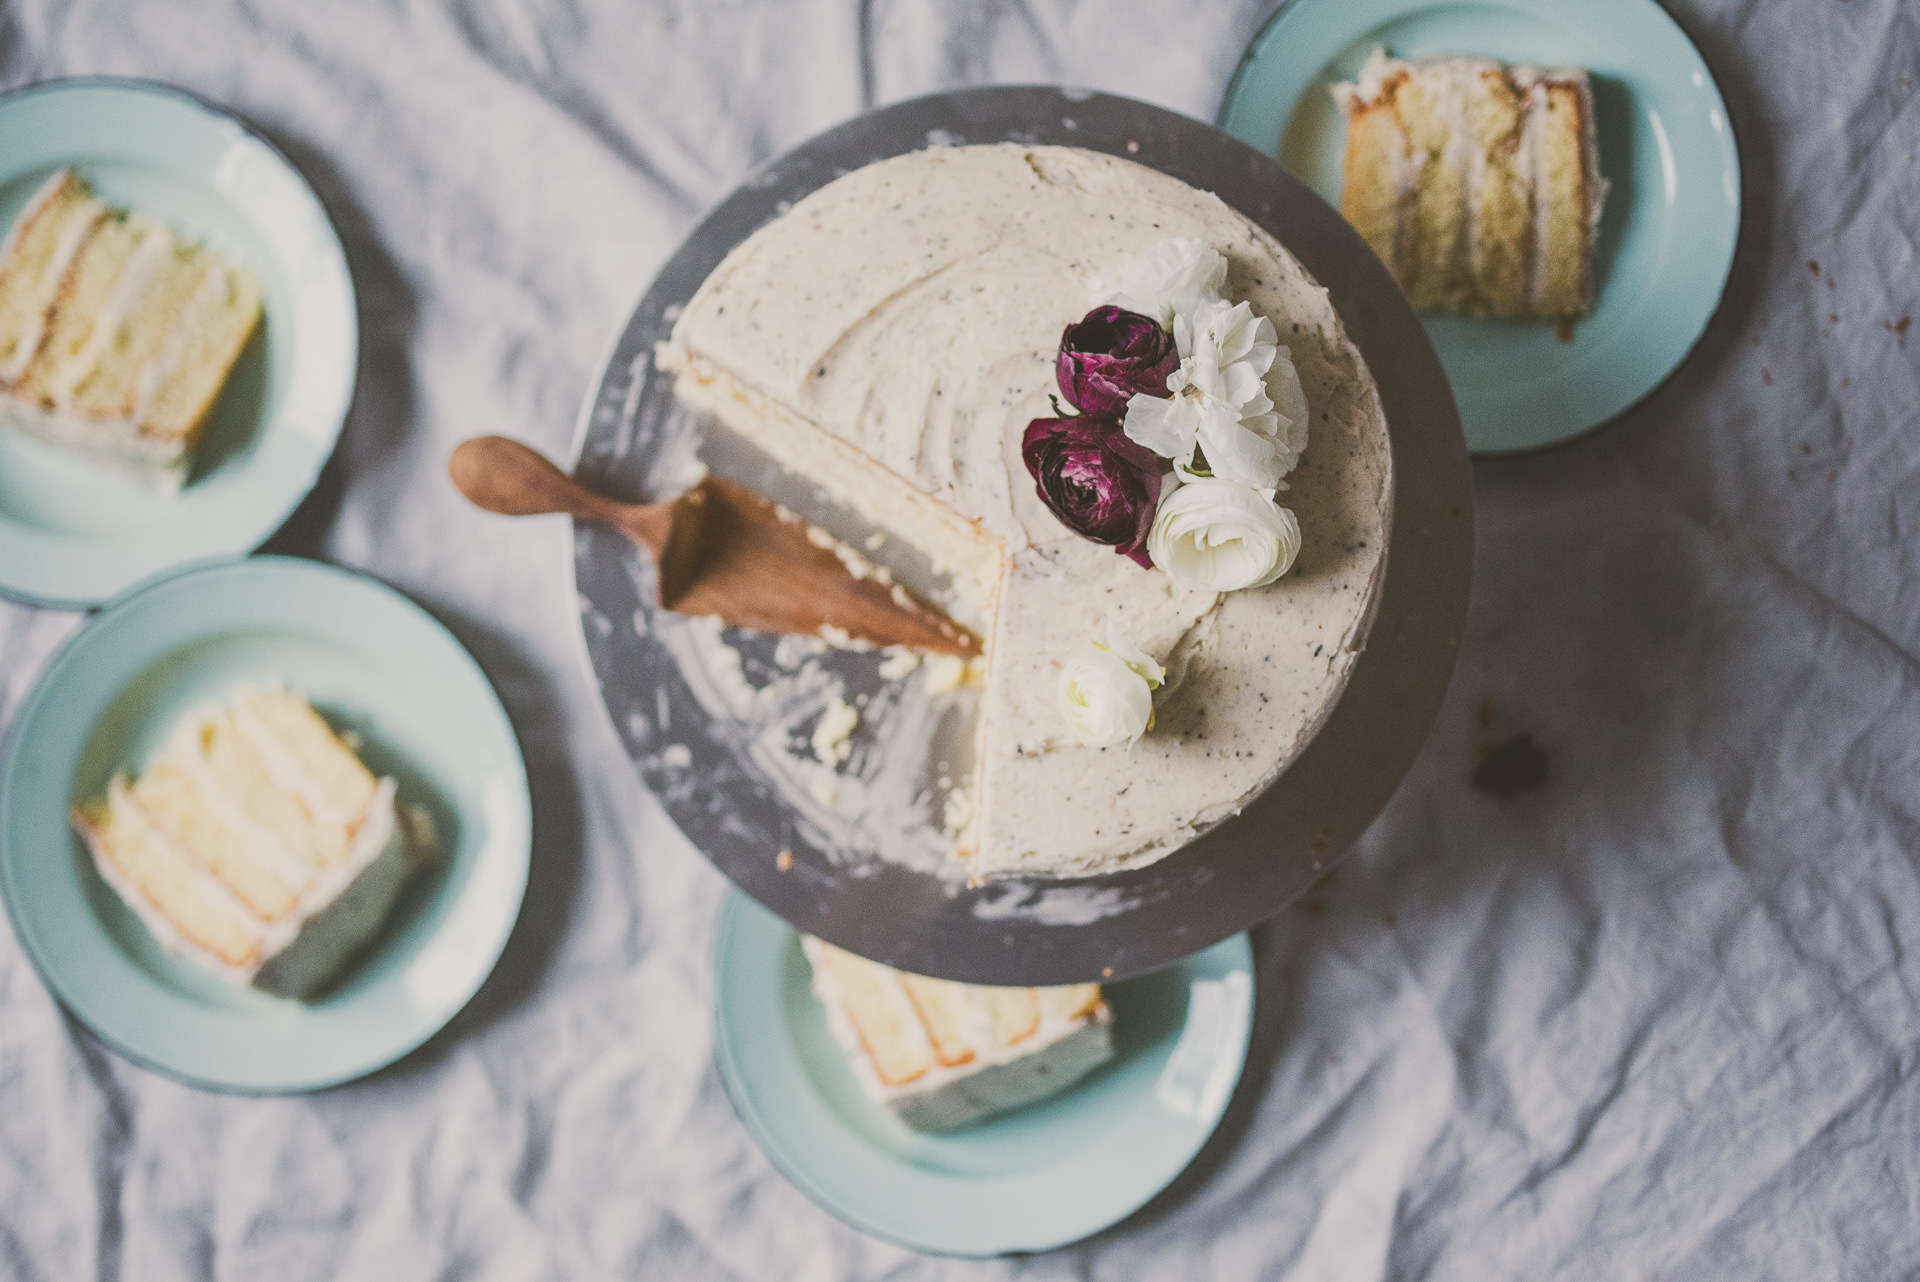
[(239, 873), (1565, 195), (1502, 249), (1434, 111), (179, 390), (946, 1011), (116, 335), (184, 906), (1379, 165), (180, 798), (34, 260), (997, 1048), (957, 546), (876, 1006), (1498, 199)]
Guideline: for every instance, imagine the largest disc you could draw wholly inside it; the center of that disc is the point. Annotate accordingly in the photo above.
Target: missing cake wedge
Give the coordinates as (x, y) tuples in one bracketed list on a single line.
[(1477, 183)]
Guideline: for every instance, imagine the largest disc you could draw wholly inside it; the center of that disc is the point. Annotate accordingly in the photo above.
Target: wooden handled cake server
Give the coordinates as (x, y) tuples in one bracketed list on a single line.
[(719, 549)]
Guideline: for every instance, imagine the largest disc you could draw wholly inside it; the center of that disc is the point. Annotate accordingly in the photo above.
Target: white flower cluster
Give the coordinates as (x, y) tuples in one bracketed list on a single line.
[(1107, 695), (1233, 424)]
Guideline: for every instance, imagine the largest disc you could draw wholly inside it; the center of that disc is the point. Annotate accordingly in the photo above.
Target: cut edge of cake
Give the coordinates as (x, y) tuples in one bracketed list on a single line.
[(116, 336), (1477, 184), (941, 1055), (974, 559), (256, 843)]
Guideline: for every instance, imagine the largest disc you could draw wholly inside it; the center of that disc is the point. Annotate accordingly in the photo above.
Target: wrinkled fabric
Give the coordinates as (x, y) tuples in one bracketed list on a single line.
[(1656, 1018)]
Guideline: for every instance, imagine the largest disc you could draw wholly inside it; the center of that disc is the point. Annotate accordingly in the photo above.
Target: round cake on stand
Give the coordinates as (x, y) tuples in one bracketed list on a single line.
[(877, 345)]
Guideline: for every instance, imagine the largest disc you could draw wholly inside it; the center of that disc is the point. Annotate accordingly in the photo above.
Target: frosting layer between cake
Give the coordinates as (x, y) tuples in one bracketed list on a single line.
[(892, 335)]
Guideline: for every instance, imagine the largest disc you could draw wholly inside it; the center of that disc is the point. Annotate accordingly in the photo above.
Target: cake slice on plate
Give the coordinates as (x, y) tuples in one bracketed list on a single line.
[(256, 843), (116, 335), (941, 1055), (1477, 184)]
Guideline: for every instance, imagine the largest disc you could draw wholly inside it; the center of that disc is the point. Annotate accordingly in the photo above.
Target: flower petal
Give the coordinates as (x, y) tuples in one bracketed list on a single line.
[(1222, 536), (1162, 425)]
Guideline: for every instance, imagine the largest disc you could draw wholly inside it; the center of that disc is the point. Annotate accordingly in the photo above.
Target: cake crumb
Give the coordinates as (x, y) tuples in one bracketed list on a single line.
[(899, 663), (783, 861), (792, 650), (958, 811), (831, 736), (841, 639), (945, 672)]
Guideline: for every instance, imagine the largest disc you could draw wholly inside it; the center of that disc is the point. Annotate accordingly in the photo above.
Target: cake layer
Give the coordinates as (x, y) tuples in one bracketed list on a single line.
[(34, 260), (115, 336), (893, 334), (231, 848), (973, 560), (1477, 184), (942, 1055)]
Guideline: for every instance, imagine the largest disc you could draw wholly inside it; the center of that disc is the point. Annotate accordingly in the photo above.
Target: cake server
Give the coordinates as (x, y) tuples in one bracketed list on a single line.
[(719, 549)]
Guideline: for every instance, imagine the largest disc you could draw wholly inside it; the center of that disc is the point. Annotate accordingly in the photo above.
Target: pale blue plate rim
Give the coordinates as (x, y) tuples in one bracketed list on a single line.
[(767, 938), (269, 522), (48, 965), (1349, 20)]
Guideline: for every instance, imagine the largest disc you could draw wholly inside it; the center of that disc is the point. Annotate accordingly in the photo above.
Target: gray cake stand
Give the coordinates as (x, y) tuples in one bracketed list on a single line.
[(1036, 932)]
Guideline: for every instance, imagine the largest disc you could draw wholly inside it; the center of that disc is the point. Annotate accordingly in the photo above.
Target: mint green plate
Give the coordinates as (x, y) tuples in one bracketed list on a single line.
[(71, 535), (370, 660), (1666, 237), (1030, 1180)]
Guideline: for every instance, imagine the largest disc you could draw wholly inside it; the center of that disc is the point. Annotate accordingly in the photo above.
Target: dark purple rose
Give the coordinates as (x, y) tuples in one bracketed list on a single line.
[(1112, 354), (1101, 485)]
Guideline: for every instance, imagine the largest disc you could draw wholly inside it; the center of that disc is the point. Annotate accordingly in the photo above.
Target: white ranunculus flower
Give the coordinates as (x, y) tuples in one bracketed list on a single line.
[(1165, 279), (1217, 399), (1289, 408), (1106, 695), (1223, 536), (1133, 656)]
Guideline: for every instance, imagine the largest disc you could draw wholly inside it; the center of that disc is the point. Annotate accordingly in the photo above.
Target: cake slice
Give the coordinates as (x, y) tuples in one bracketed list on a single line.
[(941, 1055), (116, 336), (256, 843), (1477, 184)]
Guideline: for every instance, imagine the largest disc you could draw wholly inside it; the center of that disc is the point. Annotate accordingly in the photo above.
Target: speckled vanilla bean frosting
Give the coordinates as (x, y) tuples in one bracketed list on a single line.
[(891, 336)]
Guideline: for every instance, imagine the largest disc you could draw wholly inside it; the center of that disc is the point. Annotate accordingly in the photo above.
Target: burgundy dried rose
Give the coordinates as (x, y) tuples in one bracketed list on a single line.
[(1101, 485), (1112, 354)]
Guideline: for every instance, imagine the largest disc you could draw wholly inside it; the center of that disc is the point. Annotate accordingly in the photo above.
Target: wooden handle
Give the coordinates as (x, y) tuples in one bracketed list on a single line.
[(504, 476)]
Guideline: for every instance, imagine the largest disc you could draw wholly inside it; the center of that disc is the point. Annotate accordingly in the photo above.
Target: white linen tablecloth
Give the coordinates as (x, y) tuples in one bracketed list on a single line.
[(1659, 1018)]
